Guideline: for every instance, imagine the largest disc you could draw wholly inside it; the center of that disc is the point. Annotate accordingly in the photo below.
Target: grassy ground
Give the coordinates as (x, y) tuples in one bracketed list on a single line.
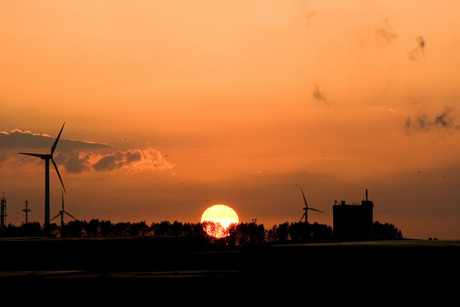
[(187, 263)]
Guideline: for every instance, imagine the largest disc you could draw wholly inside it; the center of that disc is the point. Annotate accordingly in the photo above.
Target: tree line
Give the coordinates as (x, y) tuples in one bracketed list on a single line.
[(238, 234)]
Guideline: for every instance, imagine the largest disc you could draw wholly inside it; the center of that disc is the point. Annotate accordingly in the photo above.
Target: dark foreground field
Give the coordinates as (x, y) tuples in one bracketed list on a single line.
[(184, 263)]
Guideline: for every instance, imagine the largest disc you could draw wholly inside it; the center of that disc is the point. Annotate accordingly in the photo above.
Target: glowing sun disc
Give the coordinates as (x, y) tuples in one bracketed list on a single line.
[(216, 220)]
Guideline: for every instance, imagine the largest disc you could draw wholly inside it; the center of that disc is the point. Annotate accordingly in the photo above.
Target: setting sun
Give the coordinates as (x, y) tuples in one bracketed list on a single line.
[(217, 219)]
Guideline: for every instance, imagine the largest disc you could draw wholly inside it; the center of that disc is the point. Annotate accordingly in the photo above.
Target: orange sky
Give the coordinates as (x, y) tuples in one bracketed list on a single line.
[(237, 102)]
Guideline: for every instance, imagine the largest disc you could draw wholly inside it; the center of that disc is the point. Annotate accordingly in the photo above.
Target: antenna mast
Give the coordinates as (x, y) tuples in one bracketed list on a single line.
[(2, 214), (27, 210)]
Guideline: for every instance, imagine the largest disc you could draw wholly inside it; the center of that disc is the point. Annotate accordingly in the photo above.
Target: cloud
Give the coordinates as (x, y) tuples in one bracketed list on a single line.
[(75, 162), (310, 15), (318, 94), (17, 139), (132, 161), (109, 162), (421, 42), (386, 31), (418, 50), (423, 123), (81, 156)]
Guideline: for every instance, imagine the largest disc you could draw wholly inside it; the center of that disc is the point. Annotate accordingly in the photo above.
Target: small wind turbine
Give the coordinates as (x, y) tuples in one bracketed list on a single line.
[(47, 158), (306, 209), (61, 213)]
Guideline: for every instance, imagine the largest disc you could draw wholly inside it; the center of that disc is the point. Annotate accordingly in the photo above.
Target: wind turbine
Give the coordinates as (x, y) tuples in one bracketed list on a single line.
[(61, 213), (47, 158), (307, 208)]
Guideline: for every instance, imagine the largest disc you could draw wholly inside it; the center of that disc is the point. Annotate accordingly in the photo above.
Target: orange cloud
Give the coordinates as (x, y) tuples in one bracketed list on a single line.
[(81, 156), (132, 161)]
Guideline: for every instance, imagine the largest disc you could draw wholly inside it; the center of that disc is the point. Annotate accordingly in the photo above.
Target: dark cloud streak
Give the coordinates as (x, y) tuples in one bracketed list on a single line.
[(420, 49), (319, 95), (386, 31), (421, 42), (423, 123)]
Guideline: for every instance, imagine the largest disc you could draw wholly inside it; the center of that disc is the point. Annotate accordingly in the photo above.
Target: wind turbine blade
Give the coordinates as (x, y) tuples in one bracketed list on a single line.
[(55, 216), (69, 215), (57, 139), (315, 210), (59, 175), (33, 154), (303, 216), (304, 199), (62, 194)]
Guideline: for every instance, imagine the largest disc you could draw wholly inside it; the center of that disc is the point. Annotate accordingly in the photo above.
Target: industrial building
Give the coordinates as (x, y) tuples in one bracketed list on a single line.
[(353, 220)]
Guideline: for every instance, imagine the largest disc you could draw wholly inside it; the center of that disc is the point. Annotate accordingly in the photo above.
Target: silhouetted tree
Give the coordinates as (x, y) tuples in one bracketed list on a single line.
[(92, 228), (106, 228), (198, 230), (299, 231), (246, 233), (321, 232), (187, 230), (238, 234), (54, 230), (138, 229), (121, 229), (10, 231), (306, 232), (255, 233), (176, 229), (281, 232), (232, 235), (386, 230), (32, 229), (162, 229), (74, 229)]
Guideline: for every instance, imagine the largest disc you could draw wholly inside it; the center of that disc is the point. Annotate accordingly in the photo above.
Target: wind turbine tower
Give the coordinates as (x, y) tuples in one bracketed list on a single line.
[(306, 208), (47, 158), (27, 210)]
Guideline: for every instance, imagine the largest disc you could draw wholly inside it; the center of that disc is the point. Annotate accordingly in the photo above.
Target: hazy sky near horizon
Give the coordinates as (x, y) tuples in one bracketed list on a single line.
[(173, 106)]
